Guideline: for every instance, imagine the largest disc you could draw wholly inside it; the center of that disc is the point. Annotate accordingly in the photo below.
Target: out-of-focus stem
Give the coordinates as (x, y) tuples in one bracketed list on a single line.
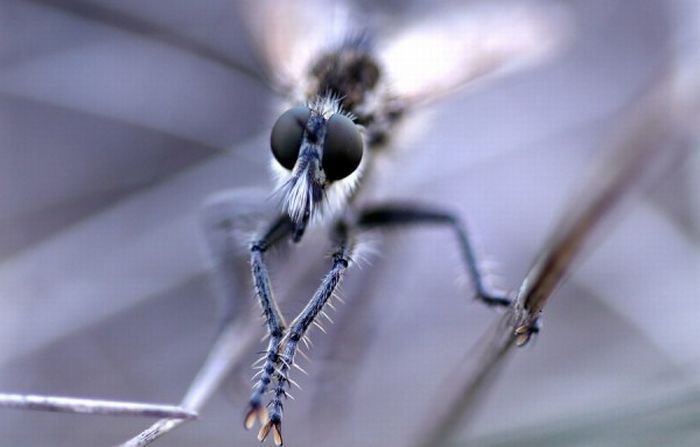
[(658, 131), (662, 126)]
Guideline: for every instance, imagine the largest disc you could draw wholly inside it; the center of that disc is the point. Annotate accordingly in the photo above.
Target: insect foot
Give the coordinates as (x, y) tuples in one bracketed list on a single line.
[(274, 425), (255, 409), (255, 412), (276, 410), (525, 333)]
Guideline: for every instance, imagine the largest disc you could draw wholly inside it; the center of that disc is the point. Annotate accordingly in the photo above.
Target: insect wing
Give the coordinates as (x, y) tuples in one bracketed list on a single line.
[(450, 49), (288, 34)]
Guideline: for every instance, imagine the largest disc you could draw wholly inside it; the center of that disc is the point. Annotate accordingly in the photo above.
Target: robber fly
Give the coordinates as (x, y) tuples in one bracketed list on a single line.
[(347, 89)]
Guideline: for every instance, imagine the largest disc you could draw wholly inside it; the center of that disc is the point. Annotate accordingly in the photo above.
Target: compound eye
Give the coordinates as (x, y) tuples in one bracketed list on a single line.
[(342, 148), (286, 135)]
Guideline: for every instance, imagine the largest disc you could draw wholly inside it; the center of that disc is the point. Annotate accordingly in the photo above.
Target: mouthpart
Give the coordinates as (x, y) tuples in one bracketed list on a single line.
[(302, 194)]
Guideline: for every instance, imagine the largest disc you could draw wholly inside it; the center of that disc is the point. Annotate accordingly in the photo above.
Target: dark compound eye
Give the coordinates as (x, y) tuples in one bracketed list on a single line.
[(342, 148), (286, 135)]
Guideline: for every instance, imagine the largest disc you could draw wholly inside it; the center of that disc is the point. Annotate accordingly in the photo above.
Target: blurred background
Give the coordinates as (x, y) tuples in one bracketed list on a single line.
[(119, 119)]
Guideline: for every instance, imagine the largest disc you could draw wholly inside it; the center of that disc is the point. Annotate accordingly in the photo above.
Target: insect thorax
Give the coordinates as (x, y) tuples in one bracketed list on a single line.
[(352, 74), (349, 74)]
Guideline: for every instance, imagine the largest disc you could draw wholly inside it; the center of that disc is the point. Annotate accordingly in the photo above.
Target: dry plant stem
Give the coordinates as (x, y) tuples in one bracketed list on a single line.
[(445, 423), (661, 128), (93, 406), (662, 125), (232, 344)]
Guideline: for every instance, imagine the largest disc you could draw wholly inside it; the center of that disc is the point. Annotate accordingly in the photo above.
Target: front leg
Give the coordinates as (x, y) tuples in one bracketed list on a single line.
[(396, 215), (279, 230), (298, 328)]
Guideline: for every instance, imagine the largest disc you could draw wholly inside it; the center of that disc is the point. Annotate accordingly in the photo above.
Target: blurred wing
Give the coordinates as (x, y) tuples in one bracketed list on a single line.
[(287, 34), (448, 50)]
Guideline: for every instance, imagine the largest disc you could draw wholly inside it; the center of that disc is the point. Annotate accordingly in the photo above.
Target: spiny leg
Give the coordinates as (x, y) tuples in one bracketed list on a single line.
[(297, 329), (274, 321), (395, 215)]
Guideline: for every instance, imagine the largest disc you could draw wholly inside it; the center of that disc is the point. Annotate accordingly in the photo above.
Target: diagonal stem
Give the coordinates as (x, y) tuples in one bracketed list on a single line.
[(661, 128)]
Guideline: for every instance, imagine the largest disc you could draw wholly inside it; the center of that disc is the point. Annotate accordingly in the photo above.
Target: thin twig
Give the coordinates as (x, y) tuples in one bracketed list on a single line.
[(656, 131), (93, 406), (663, 125), (233, 343)]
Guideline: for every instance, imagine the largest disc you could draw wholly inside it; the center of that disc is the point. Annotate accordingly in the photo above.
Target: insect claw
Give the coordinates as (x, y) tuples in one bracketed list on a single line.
[(522, 339), (254, 412), (249, 419), (277, 434), (276, 427), (524, 333), (264, 431)]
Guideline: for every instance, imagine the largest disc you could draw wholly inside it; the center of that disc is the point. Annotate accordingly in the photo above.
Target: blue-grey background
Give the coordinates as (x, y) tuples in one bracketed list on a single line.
[(118, 119)]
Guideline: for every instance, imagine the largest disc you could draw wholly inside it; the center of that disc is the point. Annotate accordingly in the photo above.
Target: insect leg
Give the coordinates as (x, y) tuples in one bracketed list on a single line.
[(279, 230), (341, 260), (396, 215)]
